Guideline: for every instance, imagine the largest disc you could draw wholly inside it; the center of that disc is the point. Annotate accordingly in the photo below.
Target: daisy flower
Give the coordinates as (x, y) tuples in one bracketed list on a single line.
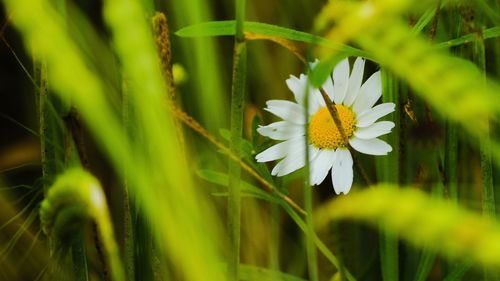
[(328, 150)]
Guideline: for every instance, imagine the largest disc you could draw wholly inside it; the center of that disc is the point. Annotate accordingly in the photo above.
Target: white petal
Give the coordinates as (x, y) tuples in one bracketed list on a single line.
[(313, 64), (369, 93), (321, 165), (298, 87), (293, 161), (372, 146), (315, 101), (280, 150), (281, 130), (340, 81), (289, 164), (375, 130), (342, 174), (286, 110), (328, 87), (370, 116), (355, 81)]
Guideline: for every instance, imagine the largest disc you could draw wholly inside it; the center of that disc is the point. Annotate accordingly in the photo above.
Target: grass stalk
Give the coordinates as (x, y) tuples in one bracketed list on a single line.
[(450, 162), (428, 256), (237, 105), (312, 259), (79, 258), (389, 171), (128, 208), (203, 60), (274, 248), (74, 145), (47, 139), (488, 194), (46, 135), (162, 39), (473, 23)]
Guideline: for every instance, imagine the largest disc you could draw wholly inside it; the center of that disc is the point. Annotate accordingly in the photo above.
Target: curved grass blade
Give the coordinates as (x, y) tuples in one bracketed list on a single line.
[(228, 28), (488, 33)]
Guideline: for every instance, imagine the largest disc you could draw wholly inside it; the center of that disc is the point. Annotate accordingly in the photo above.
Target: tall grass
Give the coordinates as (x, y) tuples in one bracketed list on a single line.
[(143, 178)]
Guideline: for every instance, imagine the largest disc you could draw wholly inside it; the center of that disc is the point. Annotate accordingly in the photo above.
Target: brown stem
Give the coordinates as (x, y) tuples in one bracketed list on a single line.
[(161, 32), (334, 113)]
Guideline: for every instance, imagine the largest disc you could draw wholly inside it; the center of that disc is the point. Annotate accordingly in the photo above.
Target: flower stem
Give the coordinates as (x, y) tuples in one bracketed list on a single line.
[(129, 211), (334, 113)]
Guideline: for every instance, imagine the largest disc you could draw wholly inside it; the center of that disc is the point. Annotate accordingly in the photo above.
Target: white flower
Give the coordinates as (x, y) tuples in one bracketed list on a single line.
[(354, 102)]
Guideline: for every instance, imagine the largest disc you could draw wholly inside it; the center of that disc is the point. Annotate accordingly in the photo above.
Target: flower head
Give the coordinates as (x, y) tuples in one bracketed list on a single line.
[(328, 146)]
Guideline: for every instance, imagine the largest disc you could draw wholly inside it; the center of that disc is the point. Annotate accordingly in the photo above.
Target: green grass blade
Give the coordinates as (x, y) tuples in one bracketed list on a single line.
[(203, 60), (389, 171), (228, 28), (458, 271), (254, 273), (425, 264), (488, 193), (488, 33), (319, 244), (79, 258), (223, 180), (424, 20)]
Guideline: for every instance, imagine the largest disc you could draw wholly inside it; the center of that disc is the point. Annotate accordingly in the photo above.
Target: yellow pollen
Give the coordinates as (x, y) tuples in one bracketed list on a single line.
[(323, 133)]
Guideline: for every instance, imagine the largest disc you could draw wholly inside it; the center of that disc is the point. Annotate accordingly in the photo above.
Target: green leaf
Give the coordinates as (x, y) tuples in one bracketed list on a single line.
[(246, 148), (223, 180)]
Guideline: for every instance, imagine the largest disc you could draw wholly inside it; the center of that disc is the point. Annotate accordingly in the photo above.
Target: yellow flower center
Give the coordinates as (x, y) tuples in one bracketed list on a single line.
[(323, 133)]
